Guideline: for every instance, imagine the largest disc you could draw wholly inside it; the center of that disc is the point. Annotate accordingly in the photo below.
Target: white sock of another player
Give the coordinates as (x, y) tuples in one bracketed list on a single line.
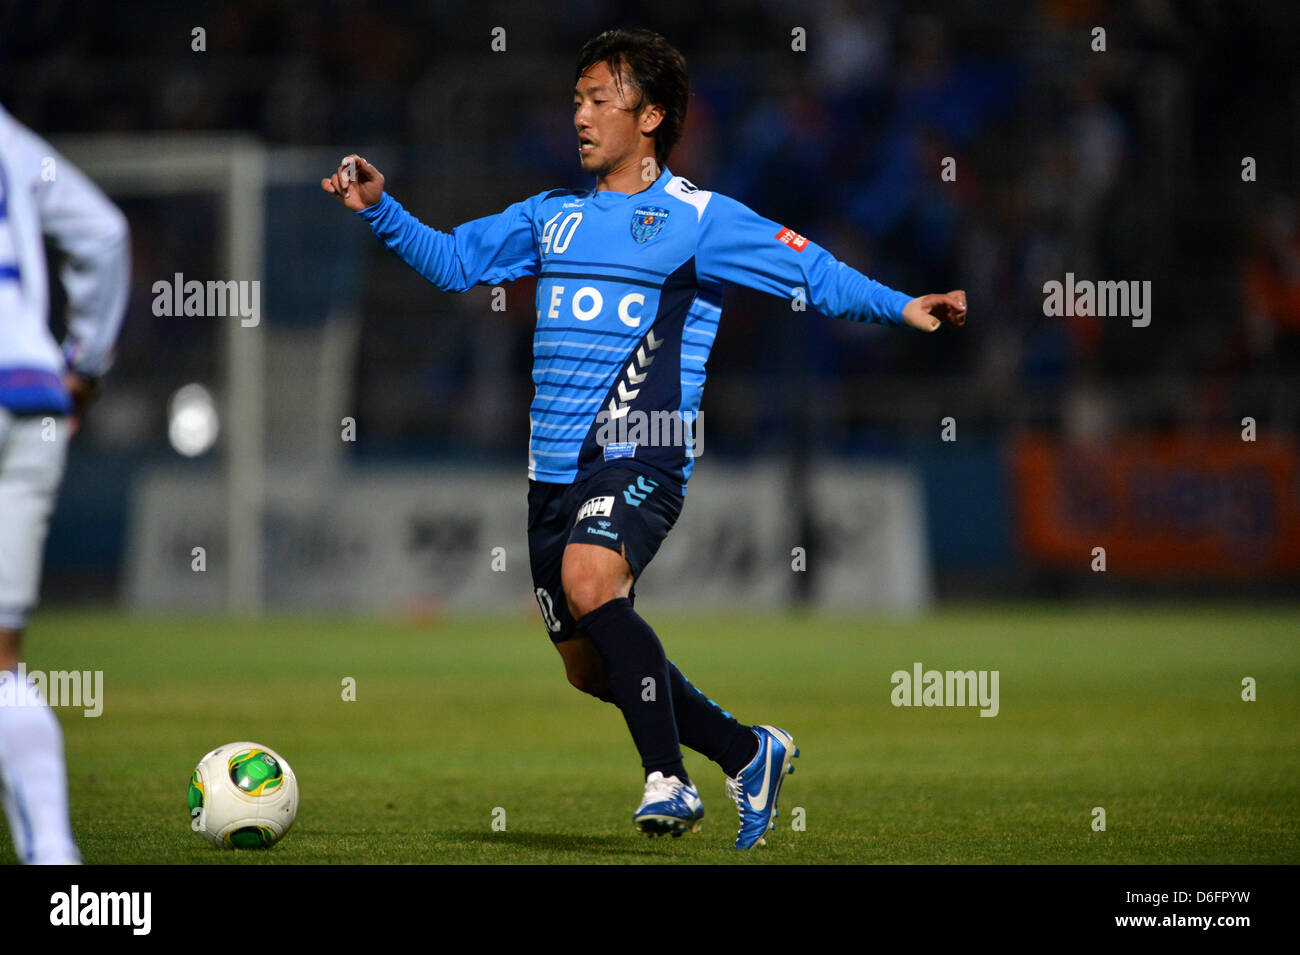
[(33, 776)]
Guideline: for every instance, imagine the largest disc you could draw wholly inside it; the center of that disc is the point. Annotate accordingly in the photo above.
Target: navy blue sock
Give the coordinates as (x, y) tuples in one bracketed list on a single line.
[(709, 729), (631, 653)]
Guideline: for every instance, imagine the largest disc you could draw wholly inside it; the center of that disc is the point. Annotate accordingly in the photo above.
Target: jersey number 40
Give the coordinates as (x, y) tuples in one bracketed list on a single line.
[(561, 235)]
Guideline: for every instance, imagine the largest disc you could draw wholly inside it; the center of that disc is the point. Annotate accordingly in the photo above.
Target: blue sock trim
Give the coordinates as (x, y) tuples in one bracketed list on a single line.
[(697, 690)]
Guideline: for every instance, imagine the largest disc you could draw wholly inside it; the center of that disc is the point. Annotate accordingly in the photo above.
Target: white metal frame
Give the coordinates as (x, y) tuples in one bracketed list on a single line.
[(235, 166)]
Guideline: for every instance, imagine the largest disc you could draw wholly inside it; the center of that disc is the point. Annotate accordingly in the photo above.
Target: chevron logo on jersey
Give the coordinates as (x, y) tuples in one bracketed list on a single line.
[(635, 494), (648, 222), (634, 375)]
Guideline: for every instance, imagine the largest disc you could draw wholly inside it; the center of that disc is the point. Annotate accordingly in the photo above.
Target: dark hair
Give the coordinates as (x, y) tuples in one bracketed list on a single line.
[(655, 67)]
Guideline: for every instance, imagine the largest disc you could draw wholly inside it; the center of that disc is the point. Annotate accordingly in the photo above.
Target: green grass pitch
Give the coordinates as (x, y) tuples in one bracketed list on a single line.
[(1136, 710)]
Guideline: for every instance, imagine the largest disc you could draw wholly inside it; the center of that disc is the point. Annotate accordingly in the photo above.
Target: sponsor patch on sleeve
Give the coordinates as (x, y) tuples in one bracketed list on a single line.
[(791, 238)]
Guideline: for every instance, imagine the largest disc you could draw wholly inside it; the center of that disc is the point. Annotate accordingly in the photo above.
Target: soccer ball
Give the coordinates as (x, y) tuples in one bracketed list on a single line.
[(243, 796)]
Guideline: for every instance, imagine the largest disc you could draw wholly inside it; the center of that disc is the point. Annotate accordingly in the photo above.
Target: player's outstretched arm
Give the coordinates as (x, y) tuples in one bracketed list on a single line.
[(489, 250), (356, 183), (739, 246), (930, 311)]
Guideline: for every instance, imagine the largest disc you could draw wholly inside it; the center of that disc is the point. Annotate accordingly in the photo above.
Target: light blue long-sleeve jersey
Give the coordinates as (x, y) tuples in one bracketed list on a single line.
[(628, 301)]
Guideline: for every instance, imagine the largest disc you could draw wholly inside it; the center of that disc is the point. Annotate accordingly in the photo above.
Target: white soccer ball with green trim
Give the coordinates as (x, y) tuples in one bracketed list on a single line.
[(243, 796)]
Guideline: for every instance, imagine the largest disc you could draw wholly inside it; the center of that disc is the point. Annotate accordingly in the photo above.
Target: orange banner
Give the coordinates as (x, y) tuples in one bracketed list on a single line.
[(1162, 507)]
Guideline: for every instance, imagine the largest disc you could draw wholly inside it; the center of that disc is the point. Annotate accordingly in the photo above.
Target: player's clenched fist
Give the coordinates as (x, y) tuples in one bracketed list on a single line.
[(357, 184), (930, 311)]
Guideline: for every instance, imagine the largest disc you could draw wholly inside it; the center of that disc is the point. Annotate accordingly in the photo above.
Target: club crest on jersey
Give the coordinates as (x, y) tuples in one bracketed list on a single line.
[(648, 222)]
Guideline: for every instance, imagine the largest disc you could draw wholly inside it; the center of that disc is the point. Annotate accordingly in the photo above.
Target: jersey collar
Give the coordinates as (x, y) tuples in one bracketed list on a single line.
[(664, 176)]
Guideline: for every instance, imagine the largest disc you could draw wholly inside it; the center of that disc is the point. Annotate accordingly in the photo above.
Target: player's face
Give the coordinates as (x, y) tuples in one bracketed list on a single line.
[(608, 126)]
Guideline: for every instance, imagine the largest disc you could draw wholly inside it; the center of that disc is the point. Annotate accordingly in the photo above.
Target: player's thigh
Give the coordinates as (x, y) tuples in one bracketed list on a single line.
[(33, 450), (627, 515)]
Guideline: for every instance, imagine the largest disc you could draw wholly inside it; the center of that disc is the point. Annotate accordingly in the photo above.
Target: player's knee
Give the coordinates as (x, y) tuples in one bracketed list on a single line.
[(586, 592), (591, 578), (585, 588)]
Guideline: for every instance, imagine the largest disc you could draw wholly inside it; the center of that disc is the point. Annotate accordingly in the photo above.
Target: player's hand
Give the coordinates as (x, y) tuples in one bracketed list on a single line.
[(930, 311), (357, 184), (82, 391)]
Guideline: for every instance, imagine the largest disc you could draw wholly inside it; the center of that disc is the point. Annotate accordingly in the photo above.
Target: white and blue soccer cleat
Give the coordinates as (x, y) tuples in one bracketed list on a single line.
[(669, 805), (756, 788)]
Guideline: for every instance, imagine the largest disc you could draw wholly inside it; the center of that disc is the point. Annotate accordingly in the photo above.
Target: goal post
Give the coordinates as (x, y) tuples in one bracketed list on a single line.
[(235, 167)]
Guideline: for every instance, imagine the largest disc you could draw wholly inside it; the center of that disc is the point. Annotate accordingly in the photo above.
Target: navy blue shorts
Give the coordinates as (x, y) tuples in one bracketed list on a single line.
[(618, 508)]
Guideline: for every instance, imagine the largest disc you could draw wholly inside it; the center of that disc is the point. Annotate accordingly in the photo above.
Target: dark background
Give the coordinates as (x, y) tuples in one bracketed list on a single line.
[(1116, 165)]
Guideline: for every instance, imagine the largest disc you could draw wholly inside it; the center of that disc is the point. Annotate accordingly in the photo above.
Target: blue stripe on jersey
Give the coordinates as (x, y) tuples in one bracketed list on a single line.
[(565, 373), (568, 332), (583, 361), (697, 343), (560, 427), (620, 266), (568, 402), (560, 344), (551, 384), (559, 417), (592, 277), (537, 439)]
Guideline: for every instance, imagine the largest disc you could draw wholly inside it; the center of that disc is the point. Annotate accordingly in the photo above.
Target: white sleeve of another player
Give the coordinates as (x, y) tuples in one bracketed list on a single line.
[(96, 274)]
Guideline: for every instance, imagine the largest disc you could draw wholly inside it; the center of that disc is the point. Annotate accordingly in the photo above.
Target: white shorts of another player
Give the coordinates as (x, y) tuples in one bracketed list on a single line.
[(33, 449)]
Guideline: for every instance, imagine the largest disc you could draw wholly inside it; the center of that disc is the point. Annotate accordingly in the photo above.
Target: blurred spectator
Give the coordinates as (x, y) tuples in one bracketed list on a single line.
[(1271, 285), (1067, 159)]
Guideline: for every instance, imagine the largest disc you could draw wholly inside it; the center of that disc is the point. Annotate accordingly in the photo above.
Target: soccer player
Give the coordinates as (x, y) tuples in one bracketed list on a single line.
[(43, 390), (629, 294)]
